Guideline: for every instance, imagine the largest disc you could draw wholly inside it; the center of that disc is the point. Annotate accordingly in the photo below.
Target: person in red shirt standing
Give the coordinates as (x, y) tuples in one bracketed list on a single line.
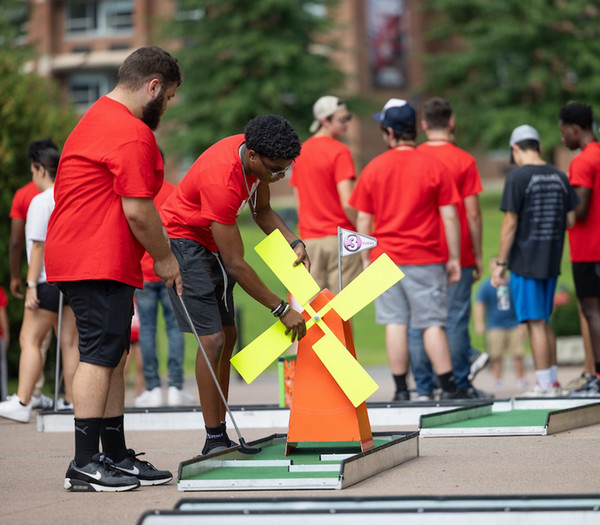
[(438, 122), (18, 215), (323, 180), (201, 219), (103, 221), (405, 200), (576, 122)]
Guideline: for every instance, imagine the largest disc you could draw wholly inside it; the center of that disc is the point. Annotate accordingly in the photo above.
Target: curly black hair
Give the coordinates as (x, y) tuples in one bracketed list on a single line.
[(577, 113), (272, 137)]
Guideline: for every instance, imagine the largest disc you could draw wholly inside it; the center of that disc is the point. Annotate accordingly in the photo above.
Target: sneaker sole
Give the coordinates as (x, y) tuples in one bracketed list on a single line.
[(78, 485), (150, 482), (13, 418)]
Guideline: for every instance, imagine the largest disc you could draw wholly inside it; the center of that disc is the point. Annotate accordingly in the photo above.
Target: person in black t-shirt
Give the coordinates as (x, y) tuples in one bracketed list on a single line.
[(538, 204)]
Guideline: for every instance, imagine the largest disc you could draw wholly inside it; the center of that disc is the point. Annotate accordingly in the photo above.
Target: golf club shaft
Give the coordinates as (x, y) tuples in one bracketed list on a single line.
[(212, 372), (58, 334)]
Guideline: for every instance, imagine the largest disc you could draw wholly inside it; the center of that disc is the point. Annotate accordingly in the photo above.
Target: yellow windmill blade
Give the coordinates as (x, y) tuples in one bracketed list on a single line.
[(372, 282), (278, 256), (347, 372), (254, 358)]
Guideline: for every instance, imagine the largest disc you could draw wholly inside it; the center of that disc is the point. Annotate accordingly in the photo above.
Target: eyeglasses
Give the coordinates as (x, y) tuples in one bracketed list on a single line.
[(284, 171)]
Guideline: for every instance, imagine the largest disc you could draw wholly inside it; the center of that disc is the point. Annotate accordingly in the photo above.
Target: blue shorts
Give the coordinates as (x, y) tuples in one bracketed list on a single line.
[(534, 298)]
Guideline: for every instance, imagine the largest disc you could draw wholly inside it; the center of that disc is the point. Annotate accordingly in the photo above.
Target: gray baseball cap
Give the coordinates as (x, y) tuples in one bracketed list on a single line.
[(521, 133)]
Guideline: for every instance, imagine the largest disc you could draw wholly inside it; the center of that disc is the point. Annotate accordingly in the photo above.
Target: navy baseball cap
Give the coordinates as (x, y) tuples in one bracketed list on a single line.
[(397, 114)]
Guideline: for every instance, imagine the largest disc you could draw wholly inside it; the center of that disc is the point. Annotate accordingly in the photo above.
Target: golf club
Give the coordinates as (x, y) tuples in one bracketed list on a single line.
[(244, 447), (57, 372)]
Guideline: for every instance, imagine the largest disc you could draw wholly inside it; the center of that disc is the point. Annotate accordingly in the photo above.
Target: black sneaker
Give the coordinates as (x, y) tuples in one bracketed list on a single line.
[(477, 362), (591, 388), (473, 393), (99, 475), (144, 471), (459, 393), (401, 395)]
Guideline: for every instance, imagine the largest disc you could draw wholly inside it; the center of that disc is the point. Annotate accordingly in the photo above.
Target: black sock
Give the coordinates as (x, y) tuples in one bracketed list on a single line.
[(447, 382), (113, 438), (400, 381), (598, 369), (224, 431), (87, 439), (214, 433)]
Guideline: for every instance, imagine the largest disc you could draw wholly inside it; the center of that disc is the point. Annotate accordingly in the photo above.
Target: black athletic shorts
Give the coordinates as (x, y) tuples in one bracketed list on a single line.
[(586, 276), (49, 297), (207, 289), (103, 310)]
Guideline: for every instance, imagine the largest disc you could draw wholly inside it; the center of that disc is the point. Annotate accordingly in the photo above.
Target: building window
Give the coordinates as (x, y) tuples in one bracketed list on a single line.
[(98, 17), (86, 88)]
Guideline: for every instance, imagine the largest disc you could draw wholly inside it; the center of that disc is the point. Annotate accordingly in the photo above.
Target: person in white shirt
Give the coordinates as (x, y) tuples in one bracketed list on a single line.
[(42, 299)]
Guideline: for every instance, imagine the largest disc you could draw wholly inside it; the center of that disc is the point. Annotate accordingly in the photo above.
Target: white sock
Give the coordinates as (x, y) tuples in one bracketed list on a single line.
[(543, 378), (554, 374)]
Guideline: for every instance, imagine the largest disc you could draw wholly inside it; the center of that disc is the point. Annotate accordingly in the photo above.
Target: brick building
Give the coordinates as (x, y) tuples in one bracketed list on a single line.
[(81, 43)]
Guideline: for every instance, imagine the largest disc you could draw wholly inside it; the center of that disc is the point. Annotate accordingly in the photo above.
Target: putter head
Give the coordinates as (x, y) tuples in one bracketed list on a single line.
[(247, 449)]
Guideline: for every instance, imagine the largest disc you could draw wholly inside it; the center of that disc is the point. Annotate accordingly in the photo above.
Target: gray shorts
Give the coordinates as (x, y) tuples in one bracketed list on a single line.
[(207, 289), (420, 299)]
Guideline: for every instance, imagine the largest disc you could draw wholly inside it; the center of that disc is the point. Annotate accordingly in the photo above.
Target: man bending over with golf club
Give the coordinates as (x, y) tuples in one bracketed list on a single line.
[(200, 217)]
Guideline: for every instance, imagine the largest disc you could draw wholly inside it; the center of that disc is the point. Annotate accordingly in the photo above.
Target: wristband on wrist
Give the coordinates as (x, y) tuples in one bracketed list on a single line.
[(500, 263), (31, 284), (285, 310), (277, 311), (295, 243)]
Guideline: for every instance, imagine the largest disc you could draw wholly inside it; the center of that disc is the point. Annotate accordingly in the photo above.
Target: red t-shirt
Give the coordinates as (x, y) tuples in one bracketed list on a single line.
[(212, 190), (464, 171), (147, 260), (321, 165), (109, 155), (22, 200), (3, 302), (403, 190), (584, 237)]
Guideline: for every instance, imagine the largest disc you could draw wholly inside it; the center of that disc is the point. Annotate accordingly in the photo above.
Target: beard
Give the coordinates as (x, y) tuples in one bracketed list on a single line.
[(152, 111)]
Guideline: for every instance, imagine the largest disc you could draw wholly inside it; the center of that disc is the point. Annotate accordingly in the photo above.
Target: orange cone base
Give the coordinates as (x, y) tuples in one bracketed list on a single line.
[(320, 410)]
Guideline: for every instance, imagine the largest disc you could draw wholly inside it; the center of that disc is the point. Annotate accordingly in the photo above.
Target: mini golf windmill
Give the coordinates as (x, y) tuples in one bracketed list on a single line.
[(330, 385)]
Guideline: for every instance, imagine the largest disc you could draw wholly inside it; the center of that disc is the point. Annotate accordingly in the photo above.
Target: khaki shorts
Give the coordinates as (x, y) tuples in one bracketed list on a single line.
[(510, 340), (323, 254)]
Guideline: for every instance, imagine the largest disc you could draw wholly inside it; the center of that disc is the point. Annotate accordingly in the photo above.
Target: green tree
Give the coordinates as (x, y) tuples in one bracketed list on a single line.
[(506, 63), (241, 59), (31, 108)]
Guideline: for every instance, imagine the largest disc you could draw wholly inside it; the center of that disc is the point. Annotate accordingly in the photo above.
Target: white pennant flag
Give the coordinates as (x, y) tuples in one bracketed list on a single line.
[(353, 242)]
